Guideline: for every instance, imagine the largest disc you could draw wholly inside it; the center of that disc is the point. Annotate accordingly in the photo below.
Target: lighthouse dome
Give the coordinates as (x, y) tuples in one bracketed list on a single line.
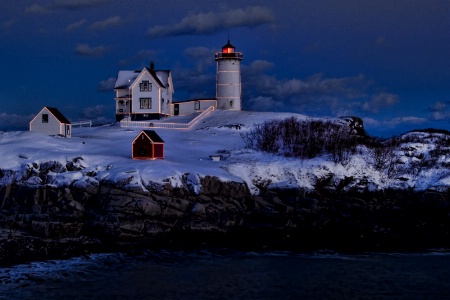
[(228, 48)]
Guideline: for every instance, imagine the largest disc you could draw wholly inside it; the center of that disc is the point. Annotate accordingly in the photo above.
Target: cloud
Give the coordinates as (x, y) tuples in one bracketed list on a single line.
[(316, 95), (76, 25), (264, 103), (142, 57), (107, 85), (14, 122), (439, 111), (8, 24), (386, 127), (105, 24), (379, 101), (407, 119), (36, 9), (192, 84), (98, 114), (202, 57), (210, 22), (86, 50), (380, 41), (257, 67), (63, 4), (78, 4)]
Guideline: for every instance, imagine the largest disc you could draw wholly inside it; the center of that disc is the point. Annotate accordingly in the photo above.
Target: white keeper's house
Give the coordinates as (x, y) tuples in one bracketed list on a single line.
[(144, 95), (147, 94)]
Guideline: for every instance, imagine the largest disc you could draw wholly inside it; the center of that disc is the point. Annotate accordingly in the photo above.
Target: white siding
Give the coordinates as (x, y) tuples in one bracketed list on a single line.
[(228, 85), (154, 94), (52, 127), (189, 107)]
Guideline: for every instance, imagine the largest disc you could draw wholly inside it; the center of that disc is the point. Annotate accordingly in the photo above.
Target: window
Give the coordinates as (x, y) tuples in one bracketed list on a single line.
[(146, 103), (145, 86), (197, 105), (231, 103), (44, 118)]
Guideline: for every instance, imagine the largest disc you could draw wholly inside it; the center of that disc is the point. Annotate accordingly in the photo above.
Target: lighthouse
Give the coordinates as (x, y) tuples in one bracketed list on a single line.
[(228, 78)]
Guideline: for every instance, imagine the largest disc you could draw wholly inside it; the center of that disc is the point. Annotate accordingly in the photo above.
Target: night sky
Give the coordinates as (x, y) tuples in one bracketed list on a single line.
[(387, 62)]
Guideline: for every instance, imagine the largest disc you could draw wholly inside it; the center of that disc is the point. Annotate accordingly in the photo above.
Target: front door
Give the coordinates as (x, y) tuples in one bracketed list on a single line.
[(176, 109)]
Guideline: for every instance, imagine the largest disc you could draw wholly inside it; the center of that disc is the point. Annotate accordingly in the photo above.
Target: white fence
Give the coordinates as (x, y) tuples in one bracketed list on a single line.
[(81, 123), (149, 124)]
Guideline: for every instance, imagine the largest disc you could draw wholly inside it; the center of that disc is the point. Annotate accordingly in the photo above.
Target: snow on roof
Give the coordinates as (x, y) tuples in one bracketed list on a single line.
[(125, 79), (163, 76)]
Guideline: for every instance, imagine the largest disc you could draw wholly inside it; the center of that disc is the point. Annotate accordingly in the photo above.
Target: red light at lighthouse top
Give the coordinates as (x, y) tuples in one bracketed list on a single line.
[(228, 52), (228, 48)]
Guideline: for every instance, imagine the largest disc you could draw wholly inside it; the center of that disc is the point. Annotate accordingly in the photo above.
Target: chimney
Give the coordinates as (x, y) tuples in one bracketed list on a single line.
[(152, 65)]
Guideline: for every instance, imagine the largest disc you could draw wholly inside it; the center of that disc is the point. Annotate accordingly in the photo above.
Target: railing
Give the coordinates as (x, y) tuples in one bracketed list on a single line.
[(81, 123), (149, 124), (237, 55)]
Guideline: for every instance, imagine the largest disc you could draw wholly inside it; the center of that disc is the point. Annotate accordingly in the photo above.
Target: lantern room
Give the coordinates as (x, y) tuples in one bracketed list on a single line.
[(228, 48), (228, 52)]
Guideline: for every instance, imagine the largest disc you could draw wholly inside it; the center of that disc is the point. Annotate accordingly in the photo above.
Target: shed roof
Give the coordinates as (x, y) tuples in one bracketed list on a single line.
[(58, 115), (152, 135)]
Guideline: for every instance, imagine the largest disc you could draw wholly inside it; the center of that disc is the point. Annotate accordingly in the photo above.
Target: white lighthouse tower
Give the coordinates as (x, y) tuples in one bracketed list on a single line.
[(228, 78)]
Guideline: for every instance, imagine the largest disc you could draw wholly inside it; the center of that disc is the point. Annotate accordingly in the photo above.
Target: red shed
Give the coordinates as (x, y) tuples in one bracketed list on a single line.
[(147, 145)]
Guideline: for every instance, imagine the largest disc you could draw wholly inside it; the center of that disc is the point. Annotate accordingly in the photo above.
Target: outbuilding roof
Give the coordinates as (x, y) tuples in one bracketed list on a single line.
[(58, 115), (152, 135)]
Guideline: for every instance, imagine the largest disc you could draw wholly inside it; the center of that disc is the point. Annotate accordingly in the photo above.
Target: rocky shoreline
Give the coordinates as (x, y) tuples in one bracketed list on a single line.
[(40, 222)]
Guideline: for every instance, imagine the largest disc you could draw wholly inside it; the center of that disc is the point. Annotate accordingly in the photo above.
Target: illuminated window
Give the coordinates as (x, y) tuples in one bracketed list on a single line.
[(145, 86), (146, 103)]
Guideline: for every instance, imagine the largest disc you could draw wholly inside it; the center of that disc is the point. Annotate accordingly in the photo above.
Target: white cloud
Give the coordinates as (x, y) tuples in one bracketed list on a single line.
[(98, 114), (75, 25), (439, 106), (264, 103), (14, 121), (105, 24), (107, 85), (86, 50), (36, 9), (210, 22), (257, 67), (142, 57), (202, 57), (379, 101), (78, 4)]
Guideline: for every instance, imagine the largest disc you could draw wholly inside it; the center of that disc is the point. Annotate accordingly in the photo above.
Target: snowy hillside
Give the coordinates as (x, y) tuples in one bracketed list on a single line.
[(106, 153)]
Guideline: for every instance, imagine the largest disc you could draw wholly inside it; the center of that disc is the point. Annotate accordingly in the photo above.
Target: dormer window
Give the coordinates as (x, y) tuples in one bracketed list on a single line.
[(145, 86)]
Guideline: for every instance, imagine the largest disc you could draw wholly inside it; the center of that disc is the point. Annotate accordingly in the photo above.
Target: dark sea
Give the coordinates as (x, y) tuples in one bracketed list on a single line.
[(224, 274)]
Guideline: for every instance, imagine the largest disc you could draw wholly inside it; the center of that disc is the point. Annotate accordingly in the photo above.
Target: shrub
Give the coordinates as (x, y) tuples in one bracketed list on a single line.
[(303, 138)]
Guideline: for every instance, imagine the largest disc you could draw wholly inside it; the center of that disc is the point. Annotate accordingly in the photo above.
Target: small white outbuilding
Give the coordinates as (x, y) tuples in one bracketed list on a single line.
[(52, 122)]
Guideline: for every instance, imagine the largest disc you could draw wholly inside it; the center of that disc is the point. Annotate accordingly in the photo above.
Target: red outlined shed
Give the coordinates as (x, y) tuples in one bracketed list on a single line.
[(147, 145)]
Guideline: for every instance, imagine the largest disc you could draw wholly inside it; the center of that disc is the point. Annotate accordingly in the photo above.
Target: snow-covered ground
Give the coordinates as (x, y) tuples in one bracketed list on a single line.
[(106, 150)]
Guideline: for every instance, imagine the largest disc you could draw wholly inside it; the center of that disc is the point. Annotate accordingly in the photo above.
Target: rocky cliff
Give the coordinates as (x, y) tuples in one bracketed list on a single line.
[(42, 220)]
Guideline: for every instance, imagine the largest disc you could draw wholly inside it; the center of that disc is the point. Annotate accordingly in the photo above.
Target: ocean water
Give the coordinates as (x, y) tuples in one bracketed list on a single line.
[(223, 274)]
